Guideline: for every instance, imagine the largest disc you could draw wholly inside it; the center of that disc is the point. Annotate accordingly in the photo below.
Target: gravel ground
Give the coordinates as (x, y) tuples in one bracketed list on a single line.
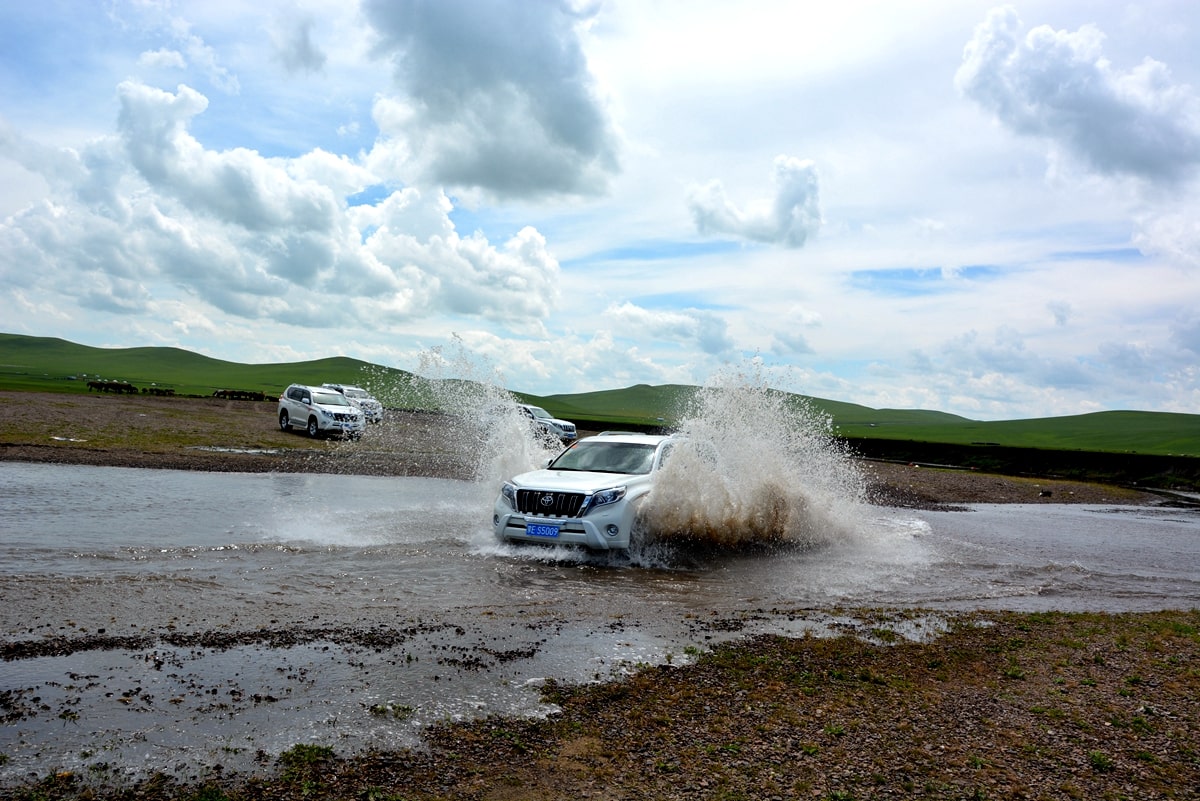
[(1001, 706)]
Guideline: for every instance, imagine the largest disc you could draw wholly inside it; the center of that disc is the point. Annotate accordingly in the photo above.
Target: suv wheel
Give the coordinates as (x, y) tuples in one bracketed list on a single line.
[(284, 424), (313, 430)]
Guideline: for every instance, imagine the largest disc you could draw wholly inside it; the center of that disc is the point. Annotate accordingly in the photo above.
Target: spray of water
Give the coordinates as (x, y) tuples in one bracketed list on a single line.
[(468, 421), (754, 467)]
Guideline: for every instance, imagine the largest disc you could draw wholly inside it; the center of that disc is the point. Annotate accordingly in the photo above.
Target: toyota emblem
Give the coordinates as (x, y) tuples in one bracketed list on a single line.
[(546, 500)]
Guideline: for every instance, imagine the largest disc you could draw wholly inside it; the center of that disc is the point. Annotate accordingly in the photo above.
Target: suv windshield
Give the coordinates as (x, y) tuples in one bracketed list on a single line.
[(606, 457)]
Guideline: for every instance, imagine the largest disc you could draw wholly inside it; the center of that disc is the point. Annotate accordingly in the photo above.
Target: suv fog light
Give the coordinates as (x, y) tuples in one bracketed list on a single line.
[(495, 520), (612, 530)]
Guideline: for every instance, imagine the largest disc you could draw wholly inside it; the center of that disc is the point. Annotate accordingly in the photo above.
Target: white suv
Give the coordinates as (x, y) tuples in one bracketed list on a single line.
[(545, 423), (589, 495), (372, 409), (319, 410)]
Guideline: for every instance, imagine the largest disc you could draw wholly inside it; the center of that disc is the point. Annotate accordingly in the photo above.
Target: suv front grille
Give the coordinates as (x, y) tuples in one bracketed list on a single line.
[(549, 504)]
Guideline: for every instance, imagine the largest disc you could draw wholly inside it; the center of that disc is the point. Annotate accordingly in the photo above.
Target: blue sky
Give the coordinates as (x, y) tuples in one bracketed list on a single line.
[(983, 209)]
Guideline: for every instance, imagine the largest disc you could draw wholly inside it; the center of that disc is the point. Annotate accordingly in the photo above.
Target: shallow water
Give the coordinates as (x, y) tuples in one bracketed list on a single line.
[(151, 563)]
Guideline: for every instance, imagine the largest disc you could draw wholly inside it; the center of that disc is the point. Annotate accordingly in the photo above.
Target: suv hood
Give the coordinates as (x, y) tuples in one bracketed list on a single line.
[(575, 480), (325, 407)]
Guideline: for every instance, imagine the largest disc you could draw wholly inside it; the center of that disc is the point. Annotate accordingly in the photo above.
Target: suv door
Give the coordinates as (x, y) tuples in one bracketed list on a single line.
[(297, 405)]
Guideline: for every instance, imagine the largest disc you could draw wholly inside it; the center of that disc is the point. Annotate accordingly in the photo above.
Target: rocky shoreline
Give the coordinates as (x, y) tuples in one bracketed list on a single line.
[(999, 706)]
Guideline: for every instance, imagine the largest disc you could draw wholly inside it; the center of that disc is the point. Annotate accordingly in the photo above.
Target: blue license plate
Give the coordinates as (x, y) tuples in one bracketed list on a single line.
[(535, 530)]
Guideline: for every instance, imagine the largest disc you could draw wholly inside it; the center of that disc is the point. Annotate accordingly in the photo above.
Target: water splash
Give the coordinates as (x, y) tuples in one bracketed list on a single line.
[(468, 422), (755, 467)]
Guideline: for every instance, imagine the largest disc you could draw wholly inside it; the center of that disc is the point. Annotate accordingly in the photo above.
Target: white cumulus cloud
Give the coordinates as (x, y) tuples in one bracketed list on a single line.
[(789, 217), (697, 327), (149, 217), (498, 96), (1059, 86)]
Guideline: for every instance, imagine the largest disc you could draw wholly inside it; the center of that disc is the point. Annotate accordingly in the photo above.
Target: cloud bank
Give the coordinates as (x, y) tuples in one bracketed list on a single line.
[(254, 237)]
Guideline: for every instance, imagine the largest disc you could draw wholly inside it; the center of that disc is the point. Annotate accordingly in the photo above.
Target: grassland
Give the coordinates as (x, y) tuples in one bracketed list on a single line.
[(55, 365)]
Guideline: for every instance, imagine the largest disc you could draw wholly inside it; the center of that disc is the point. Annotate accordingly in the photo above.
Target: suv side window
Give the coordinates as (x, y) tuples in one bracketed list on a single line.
[(296, 394)]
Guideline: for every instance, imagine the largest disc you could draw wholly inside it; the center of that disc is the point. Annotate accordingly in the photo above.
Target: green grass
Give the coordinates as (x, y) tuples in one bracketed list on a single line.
[(55, 365), (1161, 433), (47, 364)]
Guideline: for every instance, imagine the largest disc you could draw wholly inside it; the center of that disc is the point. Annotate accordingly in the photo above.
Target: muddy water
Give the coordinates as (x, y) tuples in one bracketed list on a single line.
[(174, 621)]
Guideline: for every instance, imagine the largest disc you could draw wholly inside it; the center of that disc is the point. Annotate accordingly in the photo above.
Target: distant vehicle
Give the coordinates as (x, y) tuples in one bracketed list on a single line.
[(319, 410), (589, 495), (372, 409), (544, 422)]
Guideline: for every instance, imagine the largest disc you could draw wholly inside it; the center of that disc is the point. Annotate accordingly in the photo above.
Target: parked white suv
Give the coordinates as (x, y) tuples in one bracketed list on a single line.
[(545, 423), (319, 410), (589, 495), (372, 409)]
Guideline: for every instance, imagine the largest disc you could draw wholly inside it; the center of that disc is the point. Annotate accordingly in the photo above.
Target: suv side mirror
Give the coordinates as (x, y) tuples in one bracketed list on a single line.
[(306, 400)]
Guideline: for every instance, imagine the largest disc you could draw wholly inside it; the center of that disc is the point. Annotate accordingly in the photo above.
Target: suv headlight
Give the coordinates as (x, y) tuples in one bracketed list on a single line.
[(607, 496), (509, 493)]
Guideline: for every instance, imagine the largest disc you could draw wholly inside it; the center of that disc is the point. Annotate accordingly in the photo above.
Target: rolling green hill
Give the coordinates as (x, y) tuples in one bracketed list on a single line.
[(638, 405), (48, 364), (1116, 431), (648, 405)]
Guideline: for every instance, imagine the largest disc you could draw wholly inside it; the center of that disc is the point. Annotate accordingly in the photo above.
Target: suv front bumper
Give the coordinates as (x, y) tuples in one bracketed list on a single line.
[(590, 531), (344, 427)]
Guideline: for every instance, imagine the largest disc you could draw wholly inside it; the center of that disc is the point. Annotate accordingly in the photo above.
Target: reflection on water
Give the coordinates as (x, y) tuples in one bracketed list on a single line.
[(158, 561)]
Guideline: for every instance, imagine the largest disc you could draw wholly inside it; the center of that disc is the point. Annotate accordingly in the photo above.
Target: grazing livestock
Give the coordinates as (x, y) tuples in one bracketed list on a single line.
[(239, 394), (112, 386)]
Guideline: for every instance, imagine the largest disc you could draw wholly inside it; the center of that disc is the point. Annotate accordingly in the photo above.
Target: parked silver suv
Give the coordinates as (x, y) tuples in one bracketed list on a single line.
[(319, 410), (372, 409), (546, 424)]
